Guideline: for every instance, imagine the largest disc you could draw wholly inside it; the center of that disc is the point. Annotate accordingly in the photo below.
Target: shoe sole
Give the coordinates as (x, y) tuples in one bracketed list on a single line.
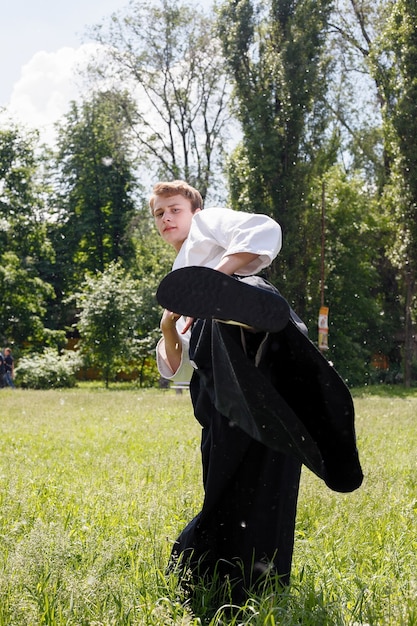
[(203, 293)]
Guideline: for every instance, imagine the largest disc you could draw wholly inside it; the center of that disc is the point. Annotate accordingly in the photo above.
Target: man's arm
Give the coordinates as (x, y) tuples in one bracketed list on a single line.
[(231, 263), (172, 340)]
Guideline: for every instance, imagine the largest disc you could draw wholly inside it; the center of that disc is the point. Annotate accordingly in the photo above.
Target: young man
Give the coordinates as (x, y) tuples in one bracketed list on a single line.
[(247, 391)]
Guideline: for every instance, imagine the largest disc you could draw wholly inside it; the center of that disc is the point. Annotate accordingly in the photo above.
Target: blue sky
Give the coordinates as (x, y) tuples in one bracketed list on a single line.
[(39, 43), (45, 25)]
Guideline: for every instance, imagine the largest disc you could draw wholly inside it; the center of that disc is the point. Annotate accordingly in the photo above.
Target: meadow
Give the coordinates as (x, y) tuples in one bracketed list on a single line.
[(96, 484)]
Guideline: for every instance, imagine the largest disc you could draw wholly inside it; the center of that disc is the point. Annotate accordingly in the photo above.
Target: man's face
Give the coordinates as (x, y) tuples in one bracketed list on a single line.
[(173, 217)]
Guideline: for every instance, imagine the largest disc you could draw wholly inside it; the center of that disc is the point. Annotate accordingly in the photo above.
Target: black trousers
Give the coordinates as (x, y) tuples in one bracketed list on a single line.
[(246, 526)]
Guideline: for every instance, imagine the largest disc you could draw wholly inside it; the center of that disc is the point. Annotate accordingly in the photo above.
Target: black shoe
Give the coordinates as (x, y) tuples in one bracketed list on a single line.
[(204, 293)]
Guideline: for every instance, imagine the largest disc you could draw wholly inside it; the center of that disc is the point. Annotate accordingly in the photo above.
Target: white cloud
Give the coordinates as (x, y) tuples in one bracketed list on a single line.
[(48, 82)]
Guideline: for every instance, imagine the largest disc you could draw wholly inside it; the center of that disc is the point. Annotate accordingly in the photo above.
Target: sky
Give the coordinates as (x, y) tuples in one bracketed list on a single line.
[(40, 43)]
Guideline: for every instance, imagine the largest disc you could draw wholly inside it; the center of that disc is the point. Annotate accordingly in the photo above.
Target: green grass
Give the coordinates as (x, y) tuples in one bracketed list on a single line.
[(95, 485)]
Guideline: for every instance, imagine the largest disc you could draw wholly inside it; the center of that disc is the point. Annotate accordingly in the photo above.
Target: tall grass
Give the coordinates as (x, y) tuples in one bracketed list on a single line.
[(95, 485)]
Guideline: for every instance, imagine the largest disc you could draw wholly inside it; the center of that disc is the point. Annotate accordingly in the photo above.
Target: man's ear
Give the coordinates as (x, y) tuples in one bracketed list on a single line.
[(198, 210)]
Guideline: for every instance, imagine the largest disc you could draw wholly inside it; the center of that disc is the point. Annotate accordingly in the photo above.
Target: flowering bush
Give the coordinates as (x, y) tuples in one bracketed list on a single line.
[(47, 370)]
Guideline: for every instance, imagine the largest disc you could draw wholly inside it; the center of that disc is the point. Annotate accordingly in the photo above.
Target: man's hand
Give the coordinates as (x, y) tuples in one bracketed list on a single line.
[(188, 323), (172, 342), (168, 320)]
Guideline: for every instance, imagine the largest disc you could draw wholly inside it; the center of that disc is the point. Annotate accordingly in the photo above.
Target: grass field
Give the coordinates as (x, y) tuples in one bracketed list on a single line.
[(95, 485)]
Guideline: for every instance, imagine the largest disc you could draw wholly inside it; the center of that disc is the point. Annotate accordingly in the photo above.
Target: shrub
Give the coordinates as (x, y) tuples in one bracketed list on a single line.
[(47, 370)]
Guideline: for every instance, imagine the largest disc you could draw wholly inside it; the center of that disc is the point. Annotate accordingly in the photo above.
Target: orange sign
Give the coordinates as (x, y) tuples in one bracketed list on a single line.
[(323, 328)]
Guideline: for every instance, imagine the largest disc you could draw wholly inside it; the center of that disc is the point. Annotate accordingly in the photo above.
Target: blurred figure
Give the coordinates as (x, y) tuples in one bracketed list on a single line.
[(2, 370), (9, 368)]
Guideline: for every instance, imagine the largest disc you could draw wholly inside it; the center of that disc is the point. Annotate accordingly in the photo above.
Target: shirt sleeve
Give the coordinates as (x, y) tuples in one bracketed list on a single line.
[(185, 369), (235, 231)]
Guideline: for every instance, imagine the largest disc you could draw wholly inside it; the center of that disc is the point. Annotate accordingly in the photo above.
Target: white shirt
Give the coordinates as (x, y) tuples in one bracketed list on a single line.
[(218, 232), (215, 233)]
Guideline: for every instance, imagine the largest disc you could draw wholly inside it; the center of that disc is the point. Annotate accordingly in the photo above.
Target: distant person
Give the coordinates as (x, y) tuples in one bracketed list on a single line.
[(2, 370), (9, 368)]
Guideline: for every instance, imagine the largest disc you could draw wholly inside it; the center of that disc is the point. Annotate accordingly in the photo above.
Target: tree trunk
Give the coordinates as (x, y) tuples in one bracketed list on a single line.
[(409, 338)]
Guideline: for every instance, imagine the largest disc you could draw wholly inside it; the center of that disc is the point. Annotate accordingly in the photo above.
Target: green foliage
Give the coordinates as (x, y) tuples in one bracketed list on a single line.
[(23, 302), (48, 370), (275, 52), (25, 249), (95, 202), (300, 107), (400, 43), (113, 323), (363, 313), (394, 65), (22, 197)]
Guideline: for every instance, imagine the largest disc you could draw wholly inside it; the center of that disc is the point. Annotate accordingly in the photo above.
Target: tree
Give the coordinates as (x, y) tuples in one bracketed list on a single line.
[(22, 198), (363, 316), (383, 35), (400, 42), (113, 322), (275, 54), (96, 185), (23, 303), (169, 55), (356, 98), (26, 250)]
